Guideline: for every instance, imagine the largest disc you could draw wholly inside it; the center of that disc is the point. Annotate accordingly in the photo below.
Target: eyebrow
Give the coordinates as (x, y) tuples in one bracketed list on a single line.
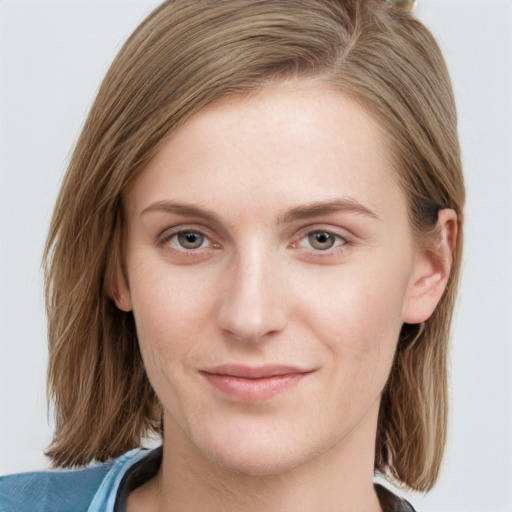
[(300, 212), (191, 210), (317, 208)]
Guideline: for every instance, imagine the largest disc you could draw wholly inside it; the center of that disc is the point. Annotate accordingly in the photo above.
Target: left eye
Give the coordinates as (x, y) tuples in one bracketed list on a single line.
[(321, 240), (189, 240)]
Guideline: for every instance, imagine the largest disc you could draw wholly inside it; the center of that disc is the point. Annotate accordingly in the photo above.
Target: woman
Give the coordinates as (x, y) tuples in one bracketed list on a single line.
[(255, 253)]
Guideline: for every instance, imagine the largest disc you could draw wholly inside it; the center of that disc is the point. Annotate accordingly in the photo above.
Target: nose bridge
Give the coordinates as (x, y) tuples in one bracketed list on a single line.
[(253, 303)]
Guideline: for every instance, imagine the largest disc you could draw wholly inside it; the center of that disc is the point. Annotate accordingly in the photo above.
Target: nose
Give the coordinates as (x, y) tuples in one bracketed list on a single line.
[(254, 305)]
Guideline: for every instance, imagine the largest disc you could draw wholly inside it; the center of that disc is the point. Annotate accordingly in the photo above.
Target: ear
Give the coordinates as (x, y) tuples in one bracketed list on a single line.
[(431, 270), (118, 289)]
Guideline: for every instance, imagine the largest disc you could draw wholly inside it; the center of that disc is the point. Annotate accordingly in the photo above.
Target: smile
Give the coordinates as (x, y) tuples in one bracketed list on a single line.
[(253, 384)]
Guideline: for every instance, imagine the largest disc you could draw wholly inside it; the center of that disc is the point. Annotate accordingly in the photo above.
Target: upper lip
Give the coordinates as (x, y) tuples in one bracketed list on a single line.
[(254, 372)]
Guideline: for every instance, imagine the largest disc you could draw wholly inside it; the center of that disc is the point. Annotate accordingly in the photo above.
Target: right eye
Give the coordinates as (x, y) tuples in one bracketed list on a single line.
[(188, 240)]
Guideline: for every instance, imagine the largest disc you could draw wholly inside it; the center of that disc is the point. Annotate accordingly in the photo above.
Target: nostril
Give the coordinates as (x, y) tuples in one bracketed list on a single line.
[(250, 320)]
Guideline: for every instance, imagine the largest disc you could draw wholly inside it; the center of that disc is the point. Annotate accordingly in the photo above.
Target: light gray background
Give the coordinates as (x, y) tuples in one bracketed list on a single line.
[(53, 55)]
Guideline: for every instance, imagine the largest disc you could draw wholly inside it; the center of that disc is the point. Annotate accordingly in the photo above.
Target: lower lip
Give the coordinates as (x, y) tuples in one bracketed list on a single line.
[(253, 390)]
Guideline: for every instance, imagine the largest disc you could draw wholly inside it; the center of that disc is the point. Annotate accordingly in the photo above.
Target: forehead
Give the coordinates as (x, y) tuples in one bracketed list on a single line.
[(294, 141)]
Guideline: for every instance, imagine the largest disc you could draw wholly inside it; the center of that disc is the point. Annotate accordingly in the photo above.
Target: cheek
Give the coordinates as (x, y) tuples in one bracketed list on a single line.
[(358, 319), (170, 313)]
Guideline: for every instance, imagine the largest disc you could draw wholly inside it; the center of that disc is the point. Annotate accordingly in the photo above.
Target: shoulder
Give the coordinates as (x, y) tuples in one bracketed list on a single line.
[(51, 490), (62, 491)]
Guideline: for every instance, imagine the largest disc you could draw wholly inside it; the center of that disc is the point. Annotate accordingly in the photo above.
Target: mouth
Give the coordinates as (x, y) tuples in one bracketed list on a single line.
[(253, 384)]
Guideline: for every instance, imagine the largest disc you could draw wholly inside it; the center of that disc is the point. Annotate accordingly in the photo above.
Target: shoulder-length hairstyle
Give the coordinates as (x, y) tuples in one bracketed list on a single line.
[(185, 55)]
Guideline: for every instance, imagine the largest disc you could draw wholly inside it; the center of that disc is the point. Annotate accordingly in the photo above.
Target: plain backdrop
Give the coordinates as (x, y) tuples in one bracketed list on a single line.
[(53, 55)]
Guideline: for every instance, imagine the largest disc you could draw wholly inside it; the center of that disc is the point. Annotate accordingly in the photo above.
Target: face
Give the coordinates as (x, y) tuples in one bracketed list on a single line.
[(270, 267)]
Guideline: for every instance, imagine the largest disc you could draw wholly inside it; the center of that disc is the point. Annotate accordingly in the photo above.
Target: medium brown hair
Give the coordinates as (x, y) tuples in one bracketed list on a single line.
[(185, 55)]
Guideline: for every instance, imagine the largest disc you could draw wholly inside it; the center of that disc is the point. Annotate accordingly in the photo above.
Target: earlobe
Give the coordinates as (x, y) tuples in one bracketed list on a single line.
[(119, 291), (432, 270), (122, 301)]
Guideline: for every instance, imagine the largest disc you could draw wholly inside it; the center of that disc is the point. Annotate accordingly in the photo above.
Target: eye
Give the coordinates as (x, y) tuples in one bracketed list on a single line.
[(322, 240), (188, 240)]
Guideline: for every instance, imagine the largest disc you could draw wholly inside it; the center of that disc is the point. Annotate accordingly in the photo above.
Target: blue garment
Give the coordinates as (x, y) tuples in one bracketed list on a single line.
[(91, 489)]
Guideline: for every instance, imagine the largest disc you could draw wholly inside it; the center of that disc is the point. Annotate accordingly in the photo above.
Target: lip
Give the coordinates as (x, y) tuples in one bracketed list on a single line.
[(253, 383)]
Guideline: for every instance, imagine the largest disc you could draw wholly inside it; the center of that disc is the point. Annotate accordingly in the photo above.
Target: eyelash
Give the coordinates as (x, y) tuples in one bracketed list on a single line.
[(170, 239)]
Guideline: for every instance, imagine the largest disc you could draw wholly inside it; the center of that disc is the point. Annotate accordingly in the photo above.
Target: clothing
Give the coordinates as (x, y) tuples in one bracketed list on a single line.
[(105, 488), (93, 489)]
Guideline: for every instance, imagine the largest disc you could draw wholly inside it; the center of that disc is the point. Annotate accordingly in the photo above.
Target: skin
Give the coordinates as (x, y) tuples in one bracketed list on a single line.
[(259, 283)]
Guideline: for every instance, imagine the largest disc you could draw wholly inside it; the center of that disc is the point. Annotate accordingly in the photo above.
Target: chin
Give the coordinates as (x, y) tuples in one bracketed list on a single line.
[(249, 465), (261, 457)]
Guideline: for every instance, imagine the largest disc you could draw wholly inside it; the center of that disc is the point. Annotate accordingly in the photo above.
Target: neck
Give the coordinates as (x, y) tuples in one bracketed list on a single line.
[(309, 488), (338, 480)]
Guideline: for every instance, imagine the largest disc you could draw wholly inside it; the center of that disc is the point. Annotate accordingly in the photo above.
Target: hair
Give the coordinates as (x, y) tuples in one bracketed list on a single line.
[(184, 56)]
